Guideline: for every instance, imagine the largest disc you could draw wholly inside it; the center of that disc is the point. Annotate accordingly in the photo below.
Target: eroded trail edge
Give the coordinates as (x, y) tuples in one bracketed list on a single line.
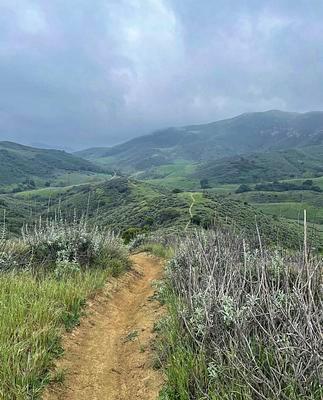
[(109, 355)]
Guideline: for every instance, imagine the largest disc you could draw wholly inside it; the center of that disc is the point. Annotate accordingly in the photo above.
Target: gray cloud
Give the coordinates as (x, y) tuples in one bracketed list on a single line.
[(92, 73)]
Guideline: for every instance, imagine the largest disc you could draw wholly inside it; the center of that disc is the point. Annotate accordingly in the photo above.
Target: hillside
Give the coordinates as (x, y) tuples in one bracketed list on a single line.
[(244, 134), (260, 167), (23, 164), (122, 204)]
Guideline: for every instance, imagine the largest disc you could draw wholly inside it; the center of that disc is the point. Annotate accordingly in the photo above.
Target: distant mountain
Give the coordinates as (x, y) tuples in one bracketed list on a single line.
[(95, 154), (247, 133), (268, 166), (47, 146), (18, 163)]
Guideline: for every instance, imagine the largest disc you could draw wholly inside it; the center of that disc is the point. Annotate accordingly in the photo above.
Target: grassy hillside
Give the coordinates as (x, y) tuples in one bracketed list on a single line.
[(126, 203), (23, 167), (260, 167), (288, 204), (247, 133)]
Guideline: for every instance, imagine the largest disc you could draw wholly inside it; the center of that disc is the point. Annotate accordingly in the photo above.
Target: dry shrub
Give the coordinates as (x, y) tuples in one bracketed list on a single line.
[(256, 315)]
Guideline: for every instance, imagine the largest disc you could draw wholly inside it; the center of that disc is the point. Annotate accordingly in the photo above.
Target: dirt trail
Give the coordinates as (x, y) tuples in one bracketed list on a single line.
[(109, 356), (190, 211)]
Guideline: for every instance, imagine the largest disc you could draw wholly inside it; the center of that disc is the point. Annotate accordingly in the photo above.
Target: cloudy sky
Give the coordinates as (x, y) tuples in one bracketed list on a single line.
[(85, 73)]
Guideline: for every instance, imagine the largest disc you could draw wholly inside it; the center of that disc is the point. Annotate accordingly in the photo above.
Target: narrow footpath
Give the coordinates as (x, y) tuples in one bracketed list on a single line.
[(190, 211), (109, 356)]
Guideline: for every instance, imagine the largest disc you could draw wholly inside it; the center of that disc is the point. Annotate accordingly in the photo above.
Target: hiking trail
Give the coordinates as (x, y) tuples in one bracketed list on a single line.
[(190, 211), (109, 356)]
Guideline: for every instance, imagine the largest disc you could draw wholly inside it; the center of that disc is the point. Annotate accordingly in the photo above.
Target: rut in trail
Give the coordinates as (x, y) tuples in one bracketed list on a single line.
[(109, 356)]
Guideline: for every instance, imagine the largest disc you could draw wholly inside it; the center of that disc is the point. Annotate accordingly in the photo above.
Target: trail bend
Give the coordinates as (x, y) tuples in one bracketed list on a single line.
[(190, 211)]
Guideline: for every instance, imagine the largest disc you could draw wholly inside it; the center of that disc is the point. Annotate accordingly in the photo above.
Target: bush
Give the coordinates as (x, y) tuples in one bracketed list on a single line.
[(45, 280), (130, 233), (169, 214), (56, 243), (244, 324), (176, 191), (196, 219), (243, 189), (204, 183)]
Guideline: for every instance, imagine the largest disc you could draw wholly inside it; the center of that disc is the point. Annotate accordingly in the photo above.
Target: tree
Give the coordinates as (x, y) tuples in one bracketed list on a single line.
[(243, 188), (308, 182), (204, 184)]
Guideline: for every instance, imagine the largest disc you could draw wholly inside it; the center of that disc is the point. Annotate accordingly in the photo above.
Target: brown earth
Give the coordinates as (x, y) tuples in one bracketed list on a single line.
[(109, 356)]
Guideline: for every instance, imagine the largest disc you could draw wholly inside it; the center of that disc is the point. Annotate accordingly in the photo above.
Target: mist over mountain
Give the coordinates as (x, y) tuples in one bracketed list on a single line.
[(246, 133)]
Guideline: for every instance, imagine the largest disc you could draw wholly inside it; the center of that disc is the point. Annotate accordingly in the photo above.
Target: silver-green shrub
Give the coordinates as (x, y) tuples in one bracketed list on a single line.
[(256, 315), (58, 241)]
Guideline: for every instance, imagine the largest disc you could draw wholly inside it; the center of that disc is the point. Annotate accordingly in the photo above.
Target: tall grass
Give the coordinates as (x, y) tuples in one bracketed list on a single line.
[(43, 293), (160, 245), (243, 324)]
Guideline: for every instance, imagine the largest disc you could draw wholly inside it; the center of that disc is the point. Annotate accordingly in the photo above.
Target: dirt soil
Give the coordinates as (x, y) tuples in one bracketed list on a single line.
[(109, 355)]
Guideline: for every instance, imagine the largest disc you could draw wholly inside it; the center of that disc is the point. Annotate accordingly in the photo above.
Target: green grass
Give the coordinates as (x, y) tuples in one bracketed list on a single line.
[(46, 278), (158, 250), (187, 196), (34, 315), (78, 178), (177, 356), (176, 182), (173, 176), (43, 193), (295, 212), (292, 210), (316, 181)]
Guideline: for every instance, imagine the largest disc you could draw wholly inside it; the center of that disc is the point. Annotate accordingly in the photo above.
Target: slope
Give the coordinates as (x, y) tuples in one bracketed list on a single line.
[(247, 133), (21, 164), (261, 167), (124, 203)]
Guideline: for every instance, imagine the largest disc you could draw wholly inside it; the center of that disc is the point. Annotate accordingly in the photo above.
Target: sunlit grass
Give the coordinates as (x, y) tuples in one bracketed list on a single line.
[(34, 314)]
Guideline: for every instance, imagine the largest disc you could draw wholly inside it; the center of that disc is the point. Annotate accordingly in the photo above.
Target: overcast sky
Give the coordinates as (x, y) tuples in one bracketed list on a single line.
[(85, 73)]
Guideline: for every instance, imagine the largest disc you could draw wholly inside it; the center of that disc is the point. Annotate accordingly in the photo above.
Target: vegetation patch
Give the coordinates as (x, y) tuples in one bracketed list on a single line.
[(45, 279), (243, 324)]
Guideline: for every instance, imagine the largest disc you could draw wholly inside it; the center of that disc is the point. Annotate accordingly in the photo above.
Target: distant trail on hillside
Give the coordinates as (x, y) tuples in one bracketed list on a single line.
[(109, 356), (190, 211)]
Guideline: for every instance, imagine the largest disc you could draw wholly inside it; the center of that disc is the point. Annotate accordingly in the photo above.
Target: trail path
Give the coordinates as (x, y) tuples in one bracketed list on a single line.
[(109, 356), (190, 211)]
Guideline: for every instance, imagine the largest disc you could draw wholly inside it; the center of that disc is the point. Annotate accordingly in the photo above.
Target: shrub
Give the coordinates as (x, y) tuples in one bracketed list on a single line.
[(169, 214), (243, 189), (196, 219), (204, 183), (56, 243), (245, 324), (45, 280), (130, 233), (177, 190)]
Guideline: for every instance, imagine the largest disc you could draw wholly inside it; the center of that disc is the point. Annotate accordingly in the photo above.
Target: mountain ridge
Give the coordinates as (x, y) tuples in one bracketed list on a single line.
[(20, 162), (245, 133)]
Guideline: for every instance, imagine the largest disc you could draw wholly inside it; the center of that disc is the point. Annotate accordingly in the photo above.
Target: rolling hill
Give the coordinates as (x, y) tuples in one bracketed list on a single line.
[(244, 134), (123, 203), (260, 167), (25, 165)]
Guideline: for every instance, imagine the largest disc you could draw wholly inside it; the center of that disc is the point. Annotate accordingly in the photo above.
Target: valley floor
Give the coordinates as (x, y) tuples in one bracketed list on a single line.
[(109, 356)]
